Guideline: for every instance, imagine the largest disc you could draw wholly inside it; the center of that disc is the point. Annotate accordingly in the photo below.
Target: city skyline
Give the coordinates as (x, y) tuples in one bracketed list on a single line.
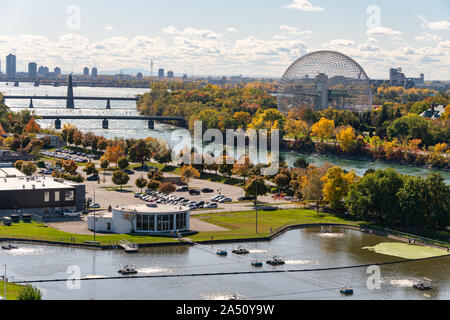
[(224, 42)]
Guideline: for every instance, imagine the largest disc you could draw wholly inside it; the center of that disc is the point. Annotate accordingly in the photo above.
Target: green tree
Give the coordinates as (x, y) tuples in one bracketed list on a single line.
[(123, 163), (90, 169), (141, 183), (28, 168), (120, 178), (153, 185), (140, 152)]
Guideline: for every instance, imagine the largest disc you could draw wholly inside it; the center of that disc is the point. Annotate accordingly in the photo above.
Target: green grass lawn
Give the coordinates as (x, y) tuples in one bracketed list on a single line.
[(242, 224), (12, 290), (239, 224), (37, 231)]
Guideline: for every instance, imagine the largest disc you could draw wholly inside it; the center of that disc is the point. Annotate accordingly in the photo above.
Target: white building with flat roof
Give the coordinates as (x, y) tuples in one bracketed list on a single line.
[(161, 218)]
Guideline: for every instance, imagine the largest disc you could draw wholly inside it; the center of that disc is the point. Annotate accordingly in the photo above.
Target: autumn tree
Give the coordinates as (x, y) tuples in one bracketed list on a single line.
[(28, 168), (242, 167), (90, 169), (167, 188), (153, 185), (336, 184), (113, 153), (345, 135), (296, 127), (323, 129), (32, 127), (188, 173), (70, 166)]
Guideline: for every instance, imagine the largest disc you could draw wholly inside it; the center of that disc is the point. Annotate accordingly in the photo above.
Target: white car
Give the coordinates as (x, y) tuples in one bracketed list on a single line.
[(72, 214), (211, 205)]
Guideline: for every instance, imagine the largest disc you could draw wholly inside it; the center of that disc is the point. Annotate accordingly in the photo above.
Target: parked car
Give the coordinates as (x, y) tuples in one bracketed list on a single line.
[(72, 213), (225, 200), (95, 206), (246, 198), (207, 190), (211, 205), (128, 171), (183, 189), (93, 178), (194, 192)]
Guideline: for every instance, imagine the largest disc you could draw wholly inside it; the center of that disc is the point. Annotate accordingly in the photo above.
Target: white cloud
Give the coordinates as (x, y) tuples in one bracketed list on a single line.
[(193, 32), (109, 28), (295, 30), (231, 29), (381, 31), (342, 42), (435, 25), (303, 5), (427, 37)]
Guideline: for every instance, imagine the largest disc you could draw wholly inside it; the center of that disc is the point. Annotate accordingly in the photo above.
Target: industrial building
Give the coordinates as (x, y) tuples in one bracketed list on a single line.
[(148, 219), (40, 196)]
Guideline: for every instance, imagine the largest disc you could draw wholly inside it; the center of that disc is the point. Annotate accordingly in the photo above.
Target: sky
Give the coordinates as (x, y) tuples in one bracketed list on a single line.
[(233, 37)]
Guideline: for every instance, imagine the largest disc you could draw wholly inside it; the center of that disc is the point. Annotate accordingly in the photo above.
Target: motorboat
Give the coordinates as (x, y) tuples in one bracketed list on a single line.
[(128, 269), (346, 291), (222, 252), (240, 250), (9, 247), (275, 261), (257, 263), (422, 285)]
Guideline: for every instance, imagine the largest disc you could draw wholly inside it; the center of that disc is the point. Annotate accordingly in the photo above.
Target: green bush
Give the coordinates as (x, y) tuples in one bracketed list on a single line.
[(29, 293)]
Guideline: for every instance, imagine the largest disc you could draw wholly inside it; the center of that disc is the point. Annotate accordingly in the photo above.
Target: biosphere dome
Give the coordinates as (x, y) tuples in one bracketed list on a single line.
[(324, 79)]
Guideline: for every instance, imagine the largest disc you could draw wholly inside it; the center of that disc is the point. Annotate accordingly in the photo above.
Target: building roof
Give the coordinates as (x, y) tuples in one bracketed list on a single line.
[(434, 113), (27, 183), (160, 208), (10, 172)]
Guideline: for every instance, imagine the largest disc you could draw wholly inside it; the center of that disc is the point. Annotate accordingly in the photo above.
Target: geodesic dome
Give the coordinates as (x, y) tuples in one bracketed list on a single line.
[(324, 79)]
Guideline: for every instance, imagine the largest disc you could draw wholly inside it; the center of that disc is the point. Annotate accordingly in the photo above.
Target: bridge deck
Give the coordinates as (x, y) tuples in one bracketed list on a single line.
[(109, 117), (75, 98)]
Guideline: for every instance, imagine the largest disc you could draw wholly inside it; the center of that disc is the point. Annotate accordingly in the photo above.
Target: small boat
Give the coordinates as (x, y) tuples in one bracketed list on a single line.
[(257, 263), (275, 261), (222, 252), (9, 247), (422, 285), (126, 270), (346, 291), (241, 250)]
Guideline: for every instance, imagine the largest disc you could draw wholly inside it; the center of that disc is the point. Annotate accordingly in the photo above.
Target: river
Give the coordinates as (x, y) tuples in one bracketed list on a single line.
[(139, 129), (300, 249)]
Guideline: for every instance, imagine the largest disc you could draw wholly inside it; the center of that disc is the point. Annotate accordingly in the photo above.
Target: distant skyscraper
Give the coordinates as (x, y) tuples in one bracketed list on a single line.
[(11, 66), (43, 71), (161, 73), (94, 73), (139, 76), (70, 103), (57, 72), (170, 74), (86, 71), (32, 70)]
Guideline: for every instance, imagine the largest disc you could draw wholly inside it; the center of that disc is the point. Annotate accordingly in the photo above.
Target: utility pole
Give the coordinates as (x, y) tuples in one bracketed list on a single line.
[(4, 279), (94, 214), (256, 206)]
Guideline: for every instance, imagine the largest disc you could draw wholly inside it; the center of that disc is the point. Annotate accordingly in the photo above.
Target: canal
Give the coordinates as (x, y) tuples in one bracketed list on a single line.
[(300, 249)]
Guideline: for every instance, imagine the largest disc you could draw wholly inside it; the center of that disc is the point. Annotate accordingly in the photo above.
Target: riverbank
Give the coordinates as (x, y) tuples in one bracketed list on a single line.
[(362, 158)]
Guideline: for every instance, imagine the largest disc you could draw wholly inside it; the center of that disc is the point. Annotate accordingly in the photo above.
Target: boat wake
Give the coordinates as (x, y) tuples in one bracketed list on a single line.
[(331, 235), (95, 277), (257, 251), (152, 270), (222, 296), (402, 282), (297, 262), (25, 251)]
